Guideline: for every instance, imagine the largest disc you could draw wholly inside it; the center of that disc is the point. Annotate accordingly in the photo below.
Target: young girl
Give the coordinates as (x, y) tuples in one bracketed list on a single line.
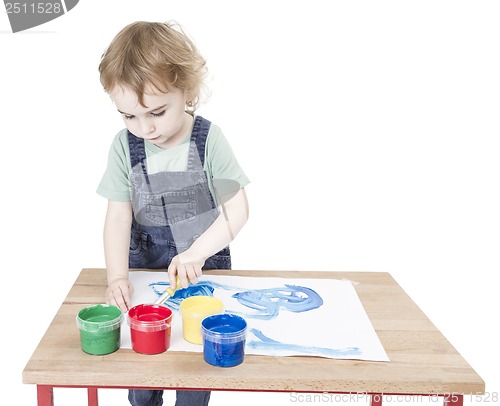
[(175, 190)]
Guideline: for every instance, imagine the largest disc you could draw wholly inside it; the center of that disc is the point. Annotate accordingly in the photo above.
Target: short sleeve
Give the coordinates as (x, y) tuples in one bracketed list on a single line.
[(115, 183), (226, 174)]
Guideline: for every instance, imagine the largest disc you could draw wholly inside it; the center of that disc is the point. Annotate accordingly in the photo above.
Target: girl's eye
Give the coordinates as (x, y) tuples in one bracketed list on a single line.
[(161, 113), (127, 117)]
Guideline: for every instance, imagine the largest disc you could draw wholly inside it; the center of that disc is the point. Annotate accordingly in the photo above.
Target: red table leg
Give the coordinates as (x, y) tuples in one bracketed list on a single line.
[(453, 400), (92, 397), (45, 395), (376, 399)]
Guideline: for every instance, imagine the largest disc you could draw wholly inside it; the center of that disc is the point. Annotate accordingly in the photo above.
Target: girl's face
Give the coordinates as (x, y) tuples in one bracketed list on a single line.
[(164, 122)]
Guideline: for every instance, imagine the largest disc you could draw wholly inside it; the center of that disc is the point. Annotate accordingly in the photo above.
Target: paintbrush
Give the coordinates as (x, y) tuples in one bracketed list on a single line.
[(168, 293)]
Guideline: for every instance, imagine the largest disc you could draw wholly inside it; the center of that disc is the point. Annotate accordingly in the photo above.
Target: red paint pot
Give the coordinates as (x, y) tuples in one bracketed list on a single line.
[(150, 328)]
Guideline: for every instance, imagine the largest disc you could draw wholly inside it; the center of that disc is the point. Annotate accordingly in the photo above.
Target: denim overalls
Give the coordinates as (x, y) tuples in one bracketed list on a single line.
[(171, 210)]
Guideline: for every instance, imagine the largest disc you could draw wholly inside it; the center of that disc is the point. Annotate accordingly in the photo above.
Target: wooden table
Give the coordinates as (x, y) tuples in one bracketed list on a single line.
[(423, 362)]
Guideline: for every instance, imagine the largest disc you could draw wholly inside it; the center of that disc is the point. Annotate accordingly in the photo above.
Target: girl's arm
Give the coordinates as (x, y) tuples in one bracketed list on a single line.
[(116, 251), (187, 265)]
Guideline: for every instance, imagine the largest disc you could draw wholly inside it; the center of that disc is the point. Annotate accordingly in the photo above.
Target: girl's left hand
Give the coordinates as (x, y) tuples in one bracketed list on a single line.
[(187, 267)]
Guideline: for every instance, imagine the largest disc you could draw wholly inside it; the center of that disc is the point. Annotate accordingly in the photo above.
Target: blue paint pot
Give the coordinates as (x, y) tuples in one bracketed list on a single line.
[(224, 339)]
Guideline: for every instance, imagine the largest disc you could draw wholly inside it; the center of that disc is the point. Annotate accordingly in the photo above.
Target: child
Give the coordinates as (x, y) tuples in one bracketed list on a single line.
[(168, 172)]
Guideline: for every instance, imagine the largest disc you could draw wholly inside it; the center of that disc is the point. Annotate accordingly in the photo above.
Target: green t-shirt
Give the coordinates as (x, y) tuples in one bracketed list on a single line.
[(220, 163)]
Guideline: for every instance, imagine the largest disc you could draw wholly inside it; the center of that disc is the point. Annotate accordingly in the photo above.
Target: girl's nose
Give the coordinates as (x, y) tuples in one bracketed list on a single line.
[(147, 127)]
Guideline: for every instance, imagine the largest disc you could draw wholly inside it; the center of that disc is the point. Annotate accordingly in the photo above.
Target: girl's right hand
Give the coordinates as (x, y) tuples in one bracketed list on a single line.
[(119, 292)]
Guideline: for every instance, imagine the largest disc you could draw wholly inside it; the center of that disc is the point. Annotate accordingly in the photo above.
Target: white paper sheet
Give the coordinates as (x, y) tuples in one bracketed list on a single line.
[(313, 317)]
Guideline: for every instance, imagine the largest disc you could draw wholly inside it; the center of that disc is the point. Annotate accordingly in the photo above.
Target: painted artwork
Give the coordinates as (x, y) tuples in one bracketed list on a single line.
[(312, 317)]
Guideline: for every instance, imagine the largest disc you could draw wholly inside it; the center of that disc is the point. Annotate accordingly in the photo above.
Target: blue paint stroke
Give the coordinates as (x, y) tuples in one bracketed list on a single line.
[(199, 289), (274, 346), (266, 302)]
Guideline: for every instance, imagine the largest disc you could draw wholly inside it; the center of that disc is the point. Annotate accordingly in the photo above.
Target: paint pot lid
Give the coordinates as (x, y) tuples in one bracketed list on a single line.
[(99, 318), (149, 317), (225, 327), (201, 305)]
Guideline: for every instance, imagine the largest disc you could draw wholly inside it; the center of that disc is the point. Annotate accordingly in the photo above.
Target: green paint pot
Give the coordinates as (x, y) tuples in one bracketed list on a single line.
[(99, 328)]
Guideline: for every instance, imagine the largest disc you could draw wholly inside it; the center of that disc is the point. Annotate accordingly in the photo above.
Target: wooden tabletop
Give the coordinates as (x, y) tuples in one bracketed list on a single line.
[(422, 361)]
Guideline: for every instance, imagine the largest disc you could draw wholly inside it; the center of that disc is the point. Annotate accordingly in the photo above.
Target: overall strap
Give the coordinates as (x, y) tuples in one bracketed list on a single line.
[(199, 136), (137, 151), (137, 154)]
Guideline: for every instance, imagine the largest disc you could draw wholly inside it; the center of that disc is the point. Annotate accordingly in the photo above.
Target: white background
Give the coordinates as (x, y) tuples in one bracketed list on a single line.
[(369, 130)]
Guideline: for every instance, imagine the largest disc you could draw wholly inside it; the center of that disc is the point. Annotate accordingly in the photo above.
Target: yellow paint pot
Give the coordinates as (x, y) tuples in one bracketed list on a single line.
[(193, 310)]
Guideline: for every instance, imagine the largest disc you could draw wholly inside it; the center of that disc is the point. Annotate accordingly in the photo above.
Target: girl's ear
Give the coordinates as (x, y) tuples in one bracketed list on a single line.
[(188, 97)]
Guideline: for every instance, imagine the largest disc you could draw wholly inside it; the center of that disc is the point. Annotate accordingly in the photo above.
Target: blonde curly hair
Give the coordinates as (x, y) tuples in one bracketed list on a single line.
[(158, 54)]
